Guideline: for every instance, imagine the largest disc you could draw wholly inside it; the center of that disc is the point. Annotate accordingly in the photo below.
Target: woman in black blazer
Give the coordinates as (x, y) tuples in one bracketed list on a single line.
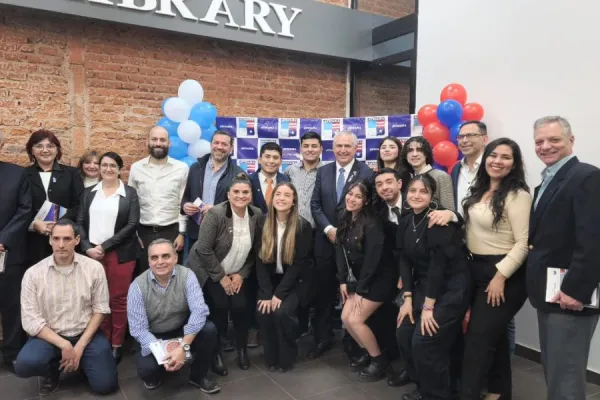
[(52, 185), (284, 269), (108, 220)]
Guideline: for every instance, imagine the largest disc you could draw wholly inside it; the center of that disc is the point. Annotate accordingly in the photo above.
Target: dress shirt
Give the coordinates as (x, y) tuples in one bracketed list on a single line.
[(87, 182), (347, 170), (45, 176), (103, 214), (63, 299), (263, 182), (466, 178), (138, 319), (547, 176), (241, 246), (304, 181), (392, 216), (211, 180), (160, 190), (280, 232)]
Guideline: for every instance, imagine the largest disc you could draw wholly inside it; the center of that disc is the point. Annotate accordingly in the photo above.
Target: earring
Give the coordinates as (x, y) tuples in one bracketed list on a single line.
[(406, 206), (436, 205)]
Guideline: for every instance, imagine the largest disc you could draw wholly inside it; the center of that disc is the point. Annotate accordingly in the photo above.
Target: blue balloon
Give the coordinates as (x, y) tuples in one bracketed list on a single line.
[(449, 112), (188, 160), (204, 114), (454, 132), (178, 149), (170, 126), (208, 133), (440, 167)]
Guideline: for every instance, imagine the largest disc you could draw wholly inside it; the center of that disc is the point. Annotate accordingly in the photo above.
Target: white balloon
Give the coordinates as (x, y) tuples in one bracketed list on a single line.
[(199, 149), (189, 131), (177, 109), (191, 91)]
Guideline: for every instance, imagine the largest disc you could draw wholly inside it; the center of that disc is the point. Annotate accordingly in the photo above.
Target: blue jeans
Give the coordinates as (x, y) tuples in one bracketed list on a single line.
[(40, 358)]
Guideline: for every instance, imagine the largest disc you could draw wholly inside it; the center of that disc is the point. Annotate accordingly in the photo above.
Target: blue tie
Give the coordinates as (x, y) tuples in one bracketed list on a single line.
[(341, 181)]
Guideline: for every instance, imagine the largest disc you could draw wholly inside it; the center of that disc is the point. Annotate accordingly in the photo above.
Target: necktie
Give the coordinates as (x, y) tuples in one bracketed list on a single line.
[(396, 211), (269, 191), (341, 181)]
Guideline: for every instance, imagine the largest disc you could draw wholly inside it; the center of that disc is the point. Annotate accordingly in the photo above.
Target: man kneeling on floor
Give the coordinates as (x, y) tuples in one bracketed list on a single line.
[(63, 300), (165, 303)]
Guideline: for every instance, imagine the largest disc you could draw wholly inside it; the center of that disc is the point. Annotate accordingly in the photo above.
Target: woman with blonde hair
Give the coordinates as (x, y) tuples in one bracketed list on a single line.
[(89, 168)]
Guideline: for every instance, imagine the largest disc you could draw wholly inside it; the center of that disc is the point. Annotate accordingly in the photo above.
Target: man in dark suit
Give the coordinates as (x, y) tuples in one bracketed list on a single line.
[(209, 180), (332, 183), (15, 215), (563, 233)]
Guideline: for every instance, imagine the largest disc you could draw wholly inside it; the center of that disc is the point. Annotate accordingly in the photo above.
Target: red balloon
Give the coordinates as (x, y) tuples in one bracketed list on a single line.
[(435, 132), (427, 114), (472, 112), (445, 153), (454, 91)]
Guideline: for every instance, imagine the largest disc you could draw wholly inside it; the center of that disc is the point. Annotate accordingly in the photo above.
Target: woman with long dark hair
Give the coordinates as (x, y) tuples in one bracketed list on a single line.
[(284, 266), (417, 157), (497, 217), (435, 279), (366, 275)]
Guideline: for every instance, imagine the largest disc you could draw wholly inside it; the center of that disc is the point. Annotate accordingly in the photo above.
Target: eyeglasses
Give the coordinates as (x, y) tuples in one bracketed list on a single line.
[(468, 136), (109, 166), (46, 147)]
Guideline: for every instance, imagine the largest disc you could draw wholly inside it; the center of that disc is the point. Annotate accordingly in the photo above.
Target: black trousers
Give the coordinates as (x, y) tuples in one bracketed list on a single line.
[(221, 306), (10, 309), (486, 361), (324, 301), (279, 330), (148, 234), (251, 283), (202, 349)]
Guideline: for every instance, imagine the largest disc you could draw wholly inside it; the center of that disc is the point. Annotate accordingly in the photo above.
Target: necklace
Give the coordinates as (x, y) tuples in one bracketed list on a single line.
[(417, 225)]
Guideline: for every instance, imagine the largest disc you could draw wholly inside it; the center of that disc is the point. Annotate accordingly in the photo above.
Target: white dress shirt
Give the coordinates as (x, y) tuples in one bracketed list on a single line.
[(263, 183), (466, 178), (347, 170), (103, 214), (45, 176), (160, 190), (280, 232), (241, 246), (392, 216)]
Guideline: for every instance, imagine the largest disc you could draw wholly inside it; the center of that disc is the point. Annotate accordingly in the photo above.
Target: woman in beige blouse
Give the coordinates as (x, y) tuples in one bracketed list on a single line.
[(497, 216)]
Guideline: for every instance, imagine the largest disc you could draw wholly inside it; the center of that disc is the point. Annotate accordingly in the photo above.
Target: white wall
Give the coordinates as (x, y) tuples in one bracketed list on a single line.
[(520, 59)]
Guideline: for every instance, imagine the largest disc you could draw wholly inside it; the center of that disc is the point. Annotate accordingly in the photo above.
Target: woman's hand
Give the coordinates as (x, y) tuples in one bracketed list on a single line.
[(236, 282), (43, 228), (344, 292), (495, 290), (94, 253), (357, 307), (275, 303), (264, 306), (227, 285), (428, 323), (405, 310)]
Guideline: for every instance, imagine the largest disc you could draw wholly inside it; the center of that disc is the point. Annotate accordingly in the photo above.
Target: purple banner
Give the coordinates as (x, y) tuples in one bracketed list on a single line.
[(291, 149), (399, 125), (227, 124), (372, 148), (310, 125), (247, 149), (328, 151), (356, 126), (268, 128)]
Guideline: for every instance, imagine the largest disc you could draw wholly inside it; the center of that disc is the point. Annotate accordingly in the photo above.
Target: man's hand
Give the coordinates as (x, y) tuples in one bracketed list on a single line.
[(176, 359), (1, 247), (440, 217), (264, 306), (69, 361), (236, 283), (205, 208), (567, 302), (190, 209), (179, 242), (275, 303), (331, 234)]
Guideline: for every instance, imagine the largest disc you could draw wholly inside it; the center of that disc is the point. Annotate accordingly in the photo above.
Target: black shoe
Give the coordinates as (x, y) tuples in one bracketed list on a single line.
[(360, 362), (152, 385), (9, 365), (415, 395), (252, 338), (283, 370), (320, 349), (226, 344), (243, 360), (218, 366), (49, 384), (117, 353), (273, 368), (375, 370), (206, 385), (400, 379)]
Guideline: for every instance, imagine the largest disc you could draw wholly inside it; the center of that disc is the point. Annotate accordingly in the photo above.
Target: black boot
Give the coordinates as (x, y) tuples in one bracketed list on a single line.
[(398, 379), (218, 366), (415, 395), (360, 361), (117, 353), (243, 360), (226, 344), (375, 370)]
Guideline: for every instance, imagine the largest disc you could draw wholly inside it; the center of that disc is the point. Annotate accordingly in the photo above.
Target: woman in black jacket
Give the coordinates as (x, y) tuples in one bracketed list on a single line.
[(108, 220), (284, 269), (435, 280), (366, 275), (55, 189)]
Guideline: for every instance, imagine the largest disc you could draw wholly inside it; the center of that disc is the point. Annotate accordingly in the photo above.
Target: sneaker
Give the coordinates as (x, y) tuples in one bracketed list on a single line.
[(206, 385), (152, 385), (49, 384), (252, 338)]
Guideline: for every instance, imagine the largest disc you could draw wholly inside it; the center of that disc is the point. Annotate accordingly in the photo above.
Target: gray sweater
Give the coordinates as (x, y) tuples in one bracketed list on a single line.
[(444, 194)]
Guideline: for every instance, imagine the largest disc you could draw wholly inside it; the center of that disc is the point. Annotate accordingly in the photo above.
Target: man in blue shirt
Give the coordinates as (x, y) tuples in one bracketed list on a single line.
[(166, 302)]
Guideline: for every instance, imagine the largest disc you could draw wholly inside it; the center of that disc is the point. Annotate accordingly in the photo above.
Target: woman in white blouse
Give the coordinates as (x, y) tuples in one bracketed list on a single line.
[(222, 258), (108, 219), (89, 168)]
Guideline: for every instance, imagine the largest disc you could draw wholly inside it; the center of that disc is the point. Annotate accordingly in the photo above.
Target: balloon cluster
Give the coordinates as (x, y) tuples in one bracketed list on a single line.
[(441, 123), (190, 122)]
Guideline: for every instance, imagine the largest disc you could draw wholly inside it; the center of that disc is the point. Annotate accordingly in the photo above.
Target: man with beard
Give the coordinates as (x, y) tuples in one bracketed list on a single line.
[(160, 182)]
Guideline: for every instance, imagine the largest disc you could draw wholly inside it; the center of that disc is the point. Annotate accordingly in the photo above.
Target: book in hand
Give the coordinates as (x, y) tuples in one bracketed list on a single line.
[(50, 212), (200, 204), (554, 280), (161, 348)]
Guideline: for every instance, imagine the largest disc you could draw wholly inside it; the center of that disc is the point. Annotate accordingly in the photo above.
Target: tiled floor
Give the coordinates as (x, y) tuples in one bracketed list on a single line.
[(325, 379)]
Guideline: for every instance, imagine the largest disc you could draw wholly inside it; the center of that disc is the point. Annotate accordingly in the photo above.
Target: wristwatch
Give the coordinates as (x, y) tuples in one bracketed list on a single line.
[(186, 349)]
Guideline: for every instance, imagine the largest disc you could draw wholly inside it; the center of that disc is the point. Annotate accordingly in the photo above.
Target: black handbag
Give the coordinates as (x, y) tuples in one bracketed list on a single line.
[(351, 279)]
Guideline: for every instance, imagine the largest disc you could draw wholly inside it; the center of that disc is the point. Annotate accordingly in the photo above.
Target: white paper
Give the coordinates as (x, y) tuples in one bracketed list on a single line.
[(3, 257), (157, 350), (198, 202), (554, 280)]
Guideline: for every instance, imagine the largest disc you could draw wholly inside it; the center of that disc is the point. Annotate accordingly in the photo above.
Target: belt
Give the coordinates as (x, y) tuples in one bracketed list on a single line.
[(158, 228)]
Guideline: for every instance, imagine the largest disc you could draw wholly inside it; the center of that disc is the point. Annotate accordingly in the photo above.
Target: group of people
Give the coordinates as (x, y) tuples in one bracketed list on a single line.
[(455, 255)]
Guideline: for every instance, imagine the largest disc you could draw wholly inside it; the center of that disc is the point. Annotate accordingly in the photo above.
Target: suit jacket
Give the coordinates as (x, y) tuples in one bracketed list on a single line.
[(124, 240), (215, 241), (258, 198), (454, 174), (195, 188), (324, 204), (15, 212), (65, 189), (296, 277), (563, 233)]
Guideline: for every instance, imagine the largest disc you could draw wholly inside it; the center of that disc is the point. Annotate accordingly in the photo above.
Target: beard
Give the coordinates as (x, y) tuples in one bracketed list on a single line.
[(158, 152)]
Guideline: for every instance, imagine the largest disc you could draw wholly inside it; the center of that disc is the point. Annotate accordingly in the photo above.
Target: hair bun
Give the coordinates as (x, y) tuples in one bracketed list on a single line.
[(242, 176)]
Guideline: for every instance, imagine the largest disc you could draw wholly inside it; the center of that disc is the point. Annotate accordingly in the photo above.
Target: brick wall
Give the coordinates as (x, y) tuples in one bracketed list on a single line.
[(100, 85)]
